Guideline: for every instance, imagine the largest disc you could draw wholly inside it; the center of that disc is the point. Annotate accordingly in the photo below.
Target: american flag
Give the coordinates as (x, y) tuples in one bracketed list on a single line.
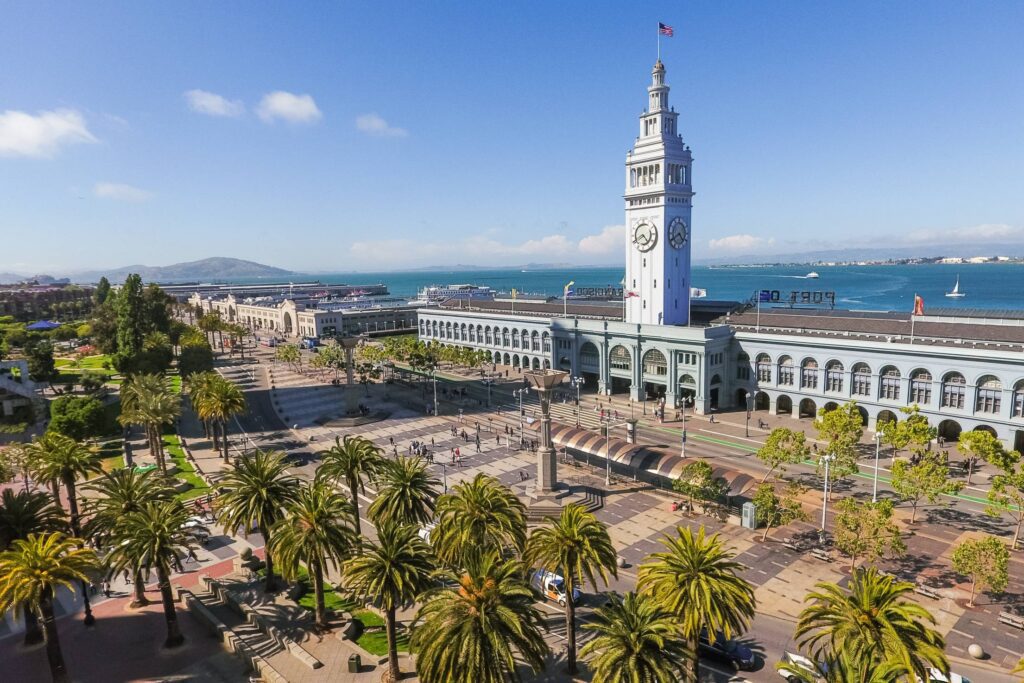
[(665, 30)]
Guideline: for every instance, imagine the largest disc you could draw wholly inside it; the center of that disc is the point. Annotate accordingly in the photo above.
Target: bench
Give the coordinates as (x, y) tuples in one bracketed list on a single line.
[(927, 591), (1011, 619), (821, 554)]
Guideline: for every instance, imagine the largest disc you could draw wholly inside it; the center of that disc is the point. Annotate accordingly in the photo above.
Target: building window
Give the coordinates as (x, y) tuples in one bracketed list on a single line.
[(834, 376), (505, 339), (487, 336), (1018, 400), (809, 374), (620, 359), (889, 384), (954, 389), (990, 395), (655, 363), (764, 369), (921, 387), (786, 371), (861, 380), (546, 342)]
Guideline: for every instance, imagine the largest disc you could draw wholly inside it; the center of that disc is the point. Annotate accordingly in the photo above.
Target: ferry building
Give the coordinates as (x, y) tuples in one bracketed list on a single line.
[(964, 368)]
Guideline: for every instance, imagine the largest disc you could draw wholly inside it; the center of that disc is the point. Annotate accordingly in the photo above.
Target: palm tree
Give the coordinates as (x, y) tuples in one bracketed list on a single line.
[(391, 574), (873, 625), (259, 489), (697, 580), (577, 546), (314, 533), (637, 640), (33, 569), (23, 513), (123, 491), (147, 400), (154, 537), (841, 668), (61, 459), (407, 494), (474, 632), (224, 401), (352, 460), (481, 514), (199, 386)]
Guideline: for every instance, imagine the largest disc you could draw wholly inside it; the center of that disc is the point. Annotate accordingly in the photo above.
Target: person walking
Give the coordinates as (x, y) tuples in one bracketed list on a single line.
[(106, 588)]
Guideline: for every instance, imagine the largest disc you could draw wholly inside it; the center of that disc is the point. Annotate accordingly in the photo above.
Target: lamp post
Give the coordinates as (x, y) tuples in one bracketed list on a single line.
[(444, 475), (487, 383), (827, 459), (433, 376), (874, 486), (519, 393), (607, 424), (746, 427), (578, 382), (544, 382), (683, 452)]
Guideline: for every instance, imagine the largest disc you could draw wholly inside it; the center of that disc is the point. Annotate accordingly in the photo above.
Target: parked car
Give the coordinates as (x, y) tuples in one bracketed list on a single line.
[(424, 532), (552, 587), (795, 668), (724, 649), (936, 676)]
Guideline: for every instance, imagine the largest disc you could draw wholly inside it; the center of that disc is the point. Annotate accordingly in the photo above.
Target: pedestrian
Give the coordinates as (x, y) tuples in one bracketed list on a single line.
[(192, 557), (106, 588), (478, 444), (392, 440), (127, 577), (431, 442), (497, 440)]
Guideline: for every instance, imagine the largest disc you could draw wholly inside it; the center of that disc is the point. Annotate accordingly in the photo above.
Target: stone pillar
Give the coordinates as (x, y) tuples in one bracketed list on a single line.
[(544, 381), (351, 395)]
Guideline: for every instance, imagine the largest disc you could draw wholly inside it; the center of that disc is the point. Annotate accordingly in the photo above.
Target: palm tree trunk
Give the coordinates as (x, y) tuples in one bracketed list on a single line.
[(224, 438), (389, 618), (54, 656), (139, 598), (33, 634), (570, 630), (174, 637), (354, 487), (693, 670), (318, 592), (268, 586), (213, 435), (55, 490), (69, 486)]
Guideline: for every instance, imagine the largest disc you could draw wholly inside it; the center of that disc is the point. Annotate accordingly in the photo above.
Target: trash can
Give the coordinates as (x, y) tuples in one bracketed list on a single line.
[(355, 662)]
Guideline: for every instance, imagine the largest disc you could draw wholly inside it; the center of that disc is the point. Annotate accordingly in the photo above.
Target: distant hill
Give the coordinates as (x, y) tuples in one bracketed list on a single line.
[(214, 268)]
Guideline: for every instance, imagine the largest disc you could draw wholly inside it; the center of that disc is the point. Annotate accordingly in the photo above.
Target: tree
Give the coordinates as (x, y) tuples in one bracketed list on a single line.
[(147, 400), (919, 432), (41, 366), (16, 459), (407, 493), (289, 353), (156, 309), (392, 573), (121, 492), (985, 561), (980, 444), (195, 356), (783, 447), (577, 546), (130, 323), (154, 537), (222, 402), (928, 480), (895, 434), (1006, 494), (697, 580), (636, 640), (872, 625), (840, 429), (867, 531), (313, 533), (477, 630), (480, 515), (354, 461), (59, 459), (78, 417), (33, 569), (258, 491), (92, 381), (775, 510), (697, 480), (102, 291)]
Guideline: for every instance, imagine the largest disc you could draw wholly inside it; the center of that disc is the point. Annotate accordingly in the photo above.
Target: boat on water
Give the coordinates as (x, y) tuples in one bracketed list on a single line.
[(811, 276), (956, 293), (435, 293)]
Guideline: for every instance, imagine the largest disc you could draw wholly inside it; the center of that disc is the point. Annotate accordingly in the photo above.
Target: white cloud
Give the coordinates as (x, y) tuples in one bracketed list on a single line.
[(374, 124), (288, 107), (121, 192), (25, 135), (212, 104), (611, 240), (738, 242), (988, 232)]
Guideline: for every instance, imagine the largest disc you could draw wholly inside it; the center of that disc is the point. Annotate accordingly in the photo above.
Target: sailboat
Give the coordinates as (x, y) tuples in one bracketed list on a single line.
[(956, 293)]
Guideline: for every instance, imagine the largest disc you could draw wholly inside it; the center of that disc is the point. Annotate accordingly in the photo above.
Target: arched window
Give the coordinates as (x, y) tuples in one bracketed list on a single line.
[(506, 340), (534, 341), (515, 339), (990, 395), (1018, 400), (742, 366), (954, 390), (620, 359), (472, 334), (655, 363), (860, 380), (525, 337), (889, 384), (546, 342), (462, 332), (489, 340), (764, 368), (480, 334), (921, 387), (434, 335), (423, 328), (834, 376), (786, 371), (589, 355), (809, 374)]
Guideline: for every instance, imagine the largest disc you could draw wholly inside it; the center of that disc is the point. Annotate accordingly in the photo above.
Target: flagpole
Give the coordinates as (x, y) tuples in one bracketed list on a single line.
[(913, 318), (659, 42), (759, 312)]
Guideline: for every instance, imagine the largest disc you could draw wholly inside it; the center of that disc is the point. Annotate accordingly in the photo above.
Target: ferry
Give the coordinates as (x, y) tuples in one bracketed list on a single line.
[(436, 293), (811, 276)]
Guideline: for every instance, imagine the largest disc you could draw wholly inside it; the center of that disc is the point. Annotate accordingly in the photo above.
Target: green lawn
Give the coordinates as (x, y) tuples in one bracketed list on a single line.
[(175, 381), (186, 472), (71, 368), (375, 642)]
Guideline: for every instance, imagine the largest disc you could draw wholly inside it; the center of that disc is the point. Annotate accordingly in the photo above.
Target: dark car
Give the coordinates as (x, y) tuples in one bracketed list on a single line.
[(734, 652)]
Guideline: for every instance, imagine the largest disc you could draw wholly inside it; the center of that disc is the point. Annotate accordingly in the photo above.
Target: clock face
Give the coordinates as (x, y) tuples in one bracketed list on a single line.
[(677, 233), (645, 236)]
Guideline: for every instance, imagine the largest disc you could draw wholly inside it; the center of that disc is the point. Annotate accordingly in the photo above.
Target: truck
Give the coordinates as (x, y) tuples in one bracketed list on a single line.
[(309, 343), (552, 586)]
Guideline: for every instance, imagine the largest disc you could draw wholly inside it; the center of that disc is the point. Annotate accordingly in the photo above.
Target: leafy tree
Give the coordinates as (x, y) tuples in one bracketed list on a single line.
[(195, 356), (697, 580), (41, 366), (697, 481), (480, 515), (333, 357), (156, 309), (102, 291), (353, 461), (58, 459), (407, 494), (392, 573), (927, 480), (78, 417), (981, 444), (920, 433), (33, 569), (1006, 495), (92, 381), (154, 537), (841, 430), (104, 326), (156, 354), (147, 400), (636, 640), (313, 533), (130, 323), (872, 625), (258, 491), (16, 459), (477, 630), (783, 447), (223, 401), (577, 546), (867, 531), (289, 353), (986, 561), (776, 510)]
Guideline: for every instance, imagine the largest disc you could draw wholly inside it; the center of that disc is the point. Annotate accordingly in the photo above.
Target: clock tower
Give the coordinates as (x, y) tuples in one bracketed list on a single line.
[(658, 198)]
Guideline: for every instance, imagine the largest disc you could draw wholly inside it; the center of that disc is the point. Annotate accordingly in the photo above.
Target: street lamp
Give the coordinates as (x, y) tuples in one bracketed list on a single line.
[(487, 383), (746, 427), (433, 376), (444, 475), (519, 393), (578, 382), (827, 459), (874, 487), (683, 453), (607, 423)]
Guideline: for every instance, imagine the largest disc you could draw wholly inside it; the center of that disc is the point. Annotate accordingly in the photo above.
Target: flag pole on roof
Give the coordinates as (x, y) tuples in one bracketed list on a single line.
[(663, 30)]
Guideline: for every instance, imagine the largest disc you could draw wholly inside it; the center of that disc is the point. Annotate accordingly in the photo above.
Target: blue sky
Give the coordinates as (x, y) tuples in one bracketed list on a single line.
[(339, 136)]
